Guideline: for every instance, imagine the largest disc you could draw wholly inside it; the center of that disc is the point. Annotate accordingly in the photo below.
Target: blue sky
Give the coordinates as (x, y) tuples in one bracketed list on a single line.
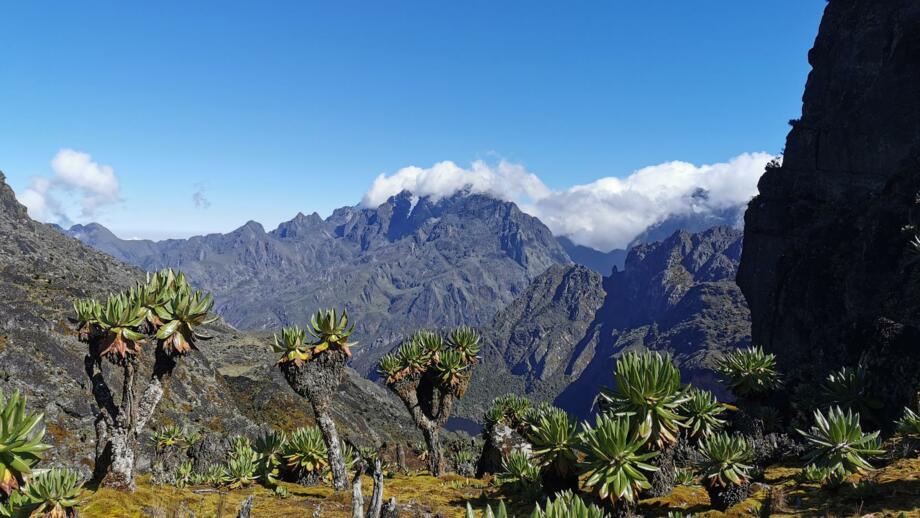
[(266, 109)]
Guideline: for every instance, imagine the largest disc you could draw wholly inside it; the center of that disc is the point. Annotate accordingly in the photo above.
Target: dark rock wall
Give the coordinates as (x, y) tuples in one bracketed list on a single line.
[(826, 266)]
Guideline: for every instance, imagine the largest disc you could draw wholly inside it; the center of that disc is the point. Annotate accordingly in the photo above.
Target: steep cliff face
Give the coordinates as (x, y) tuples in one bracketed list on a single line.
[(827, 268), (558, 341), (407, 264)]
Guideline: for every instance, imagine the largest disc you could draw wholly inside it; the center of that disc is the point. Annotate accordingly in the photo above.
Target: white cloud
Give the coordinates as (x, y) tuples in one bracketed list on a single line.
[(77, 176), (506, 181), (199, 197), (605, 214)]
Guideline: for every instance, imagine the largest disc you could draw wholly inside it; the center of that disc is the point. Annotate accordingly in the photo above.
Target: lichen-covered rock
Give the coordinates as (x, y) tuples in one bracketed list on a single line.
[(724, 497), (209, 450), (500, 441), (827, 268)]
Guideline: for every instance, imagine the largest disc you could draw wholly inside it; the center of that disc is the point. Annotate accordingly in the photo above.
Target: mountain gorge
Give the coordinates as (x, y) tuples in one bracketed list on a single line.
[(559, 340)]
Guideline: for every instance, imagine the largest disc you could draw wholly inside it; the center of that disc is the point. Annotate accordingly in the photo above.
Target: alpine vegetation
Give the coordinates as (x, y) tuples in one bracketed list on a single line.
[(429, 373), (313, 363), (164, 310)]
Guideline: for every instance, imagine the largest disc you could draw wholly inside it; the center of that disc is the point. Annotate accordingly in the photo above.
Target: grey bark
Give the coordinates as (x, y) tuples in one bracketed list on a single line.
[(357, 499), (390, 510), (430, 405), (435, 455), (119, 424), (245, 508), (401, 458), (317, 380), (377, 496)]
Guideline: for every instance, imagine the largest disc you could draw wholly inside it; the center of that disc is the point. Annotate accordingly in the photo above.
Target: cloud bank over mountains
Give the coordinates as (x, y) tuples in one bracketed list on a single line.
[(604, 214)]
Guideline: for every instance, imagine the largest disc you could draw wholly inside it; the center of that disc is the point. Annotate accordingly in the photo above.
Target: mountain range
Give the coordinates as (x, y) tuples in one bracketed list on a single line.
[(409, 263), (553, 314)]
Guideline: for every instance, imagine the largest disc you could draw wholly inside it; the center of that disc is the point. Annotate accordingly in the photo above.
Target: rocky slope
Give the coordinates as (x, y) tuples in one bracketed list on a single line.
[(559, 339), (827, 267), (228, 386), (407, 264)]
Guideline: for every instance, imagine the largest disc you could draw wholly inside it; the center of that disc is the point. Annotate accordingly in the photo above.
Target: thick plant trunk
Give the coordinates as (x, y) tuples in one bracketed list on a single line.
[(377, 496), (116, 467), (357, 499), (317, 380), (118, 425), (435, 456), (663, 480), (401, 458), (336, 459), (390, 510)]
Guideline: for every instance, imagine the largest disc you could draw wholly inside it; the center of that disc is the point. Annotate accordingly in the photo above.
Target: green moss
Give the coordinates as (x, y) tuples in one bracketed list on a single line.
[(894, 489)]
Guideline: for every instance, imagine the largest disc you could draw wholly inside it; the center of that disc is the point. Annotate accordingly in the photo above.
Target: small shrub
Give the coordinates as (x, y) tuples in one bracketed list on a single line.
[(725, 468), (464, 463), (749, 372), (648, 388), (839, 444), (241, 465), (305, 452), (567, 505), (614, 465), (215, 475), (554, 436), (510, 410), (701, 412), (812, 474), (21, 446), (520, 476), (684, 477), (847, 389), (168, 436), (183, 475), (908, 428), (53, 493)]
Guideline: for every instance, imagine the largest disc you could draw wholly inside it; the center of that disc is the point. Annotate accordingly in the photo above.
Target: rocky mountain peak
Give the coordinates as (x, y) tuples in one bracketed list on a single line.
[(9, 205)]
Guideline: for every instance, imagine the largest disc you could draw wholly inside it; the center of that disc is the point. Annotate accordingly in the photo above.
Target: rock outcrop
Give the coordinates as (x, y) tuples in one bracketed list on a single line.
[(827, 267)]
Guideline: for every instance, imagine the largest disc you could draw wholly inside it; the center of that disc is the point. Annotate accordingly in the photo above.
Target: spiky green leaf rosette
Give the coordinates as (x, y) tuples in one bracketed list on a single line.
[(839, 444), (648, 388), (614, 464), (749, 372), (21, 447)]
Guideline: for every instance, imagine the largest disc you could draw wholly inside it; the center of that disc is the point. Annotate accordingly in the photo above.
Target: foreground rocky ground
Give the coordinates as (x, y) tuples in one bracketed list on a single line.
[(891, 491)]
